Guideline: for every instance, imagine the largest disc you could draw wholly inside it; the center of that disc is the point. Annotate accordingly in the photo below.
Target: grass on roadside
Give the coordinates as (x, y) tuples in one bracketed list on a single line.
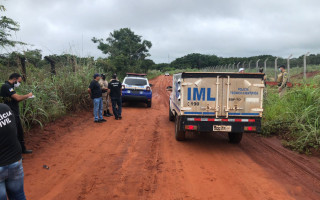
[(295, 117), (54, 95)]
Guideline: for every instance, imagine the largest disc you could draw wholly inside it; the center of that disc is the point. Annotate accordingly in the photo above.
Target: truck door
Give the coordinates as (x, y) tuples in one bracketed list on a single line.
[(242, 97), (201, 96)]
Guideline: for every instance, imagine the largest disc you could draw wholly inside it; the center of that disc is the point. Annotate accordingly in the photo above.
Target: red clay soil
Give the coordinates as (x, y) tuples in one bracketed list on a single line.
[(138, 158)]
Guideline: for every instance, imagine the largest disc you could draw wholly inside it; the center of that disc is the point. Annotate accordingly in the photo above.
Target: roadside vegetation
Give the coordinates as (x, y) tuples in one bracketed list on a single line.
[(56, 95), (295, 117)]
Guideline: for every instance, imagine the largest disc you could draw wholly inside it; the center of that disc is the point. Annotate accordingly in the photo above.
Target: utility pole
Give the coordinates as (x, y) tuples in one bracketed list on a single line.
[(249, 65), (305, 65), (243, 64)]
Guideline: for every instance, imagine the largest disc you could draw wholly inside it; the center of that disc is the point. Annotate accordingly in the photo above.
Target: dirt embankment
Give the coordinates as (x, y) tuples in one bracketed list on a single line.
[(308, 74), (138, 158)]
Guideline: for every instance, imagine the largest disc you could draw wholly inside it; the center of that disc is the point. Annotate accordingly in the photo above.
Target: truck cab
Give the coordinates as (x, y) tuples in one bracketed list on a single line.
[(217, 102), (136, 87)]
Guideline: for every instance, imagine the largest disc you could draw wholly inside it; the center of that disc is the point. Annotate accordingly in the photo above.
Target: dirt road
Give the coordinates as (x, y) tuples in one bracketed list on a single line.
[(138, 158)]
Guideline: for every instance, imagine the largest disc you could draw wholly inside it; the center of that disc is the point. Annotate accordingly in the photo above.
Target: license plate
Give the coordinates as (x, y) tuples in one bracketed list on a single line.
[(222, 128)]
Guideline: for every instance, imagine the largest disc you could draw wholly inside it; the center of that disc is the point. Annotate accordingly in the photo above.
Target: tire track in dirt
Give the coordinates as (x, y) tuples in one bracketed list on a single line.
[(296, 171)]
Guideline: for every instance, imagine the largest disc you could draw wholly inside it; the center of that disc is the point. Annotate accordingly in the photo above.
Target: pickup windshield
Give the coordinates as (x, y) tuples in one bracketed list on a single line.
[(132, 81)]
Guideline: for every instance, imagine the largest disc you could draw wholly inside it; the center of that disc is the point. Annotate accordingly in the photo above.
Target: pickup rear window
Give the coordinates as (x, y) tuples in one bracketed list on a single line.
[(131, 81)]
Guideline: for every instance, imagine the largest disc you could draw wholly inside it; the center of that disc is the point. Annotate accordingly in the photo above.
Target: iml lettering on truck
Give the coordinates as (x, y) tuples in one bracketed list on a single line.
[(200, 94)]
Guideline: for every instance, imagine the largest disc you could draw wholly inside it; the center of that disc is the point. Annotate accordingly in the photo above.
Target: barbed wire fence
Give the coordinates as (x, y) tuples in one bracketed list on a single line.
[(270, 67)]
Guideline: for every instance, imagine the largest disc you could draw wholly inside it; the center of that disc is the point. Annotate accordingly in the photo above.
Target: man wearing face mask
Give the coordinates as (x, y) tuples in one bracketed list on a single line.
[(12, 99)]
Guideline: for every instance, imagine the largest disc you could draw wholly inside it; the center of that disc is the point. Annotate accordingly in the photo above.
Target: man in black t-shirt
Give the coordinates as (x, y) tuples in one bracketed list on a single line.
[(12, 99), (115, 92), (95, 93), (11, 169)]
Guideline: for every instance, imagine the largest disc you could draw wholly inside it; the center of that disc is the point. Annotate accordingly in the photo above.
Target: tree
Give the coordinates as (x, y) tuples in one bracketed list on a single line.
[(126, 44), (7, 25), (33, 56), (195, 60), (146, 65), (126, 51)]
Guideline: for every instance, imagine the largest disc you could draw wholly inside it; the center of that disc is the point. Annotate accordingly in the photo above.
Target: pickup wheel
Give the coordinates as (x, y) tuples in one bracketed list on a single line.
[(235, 138), (171, 116), (149, 104), (180, 134)]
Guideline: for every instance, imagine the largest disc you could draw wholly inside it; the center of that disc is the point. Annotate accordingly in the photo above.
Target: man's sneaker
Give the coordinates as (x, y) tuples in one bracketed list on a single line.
[(120, 117), (102, 120), (97, 121), (117, 118)]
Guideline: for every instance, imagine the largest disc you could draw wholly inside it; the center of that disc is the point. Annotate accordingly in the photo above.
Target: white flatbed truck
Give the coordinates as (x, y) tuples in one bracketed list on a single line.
[(216, 102)]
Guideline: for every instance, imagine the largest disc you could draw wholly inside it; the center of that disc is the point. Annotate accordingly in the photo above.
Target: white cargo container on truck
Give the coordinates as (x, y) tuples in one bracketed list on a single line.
[(217, 102)]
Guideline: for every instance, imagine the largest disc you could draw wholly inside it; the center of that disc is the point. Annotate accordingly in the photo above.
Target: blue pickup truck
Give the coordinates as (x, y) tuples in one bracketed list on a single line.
[(136, 87)]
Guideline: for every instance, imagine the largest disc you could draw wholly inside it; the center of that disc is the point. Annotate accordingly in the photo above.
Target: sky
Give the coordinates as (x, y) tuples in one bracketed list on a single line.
[(228, 28)]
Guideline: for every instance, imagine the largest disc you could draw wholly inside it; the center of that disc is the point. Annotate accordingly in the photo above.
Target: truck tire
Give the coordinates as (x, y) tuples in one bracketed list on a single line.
[(171, 116), (149, 104), (179, 134), (235, 138)]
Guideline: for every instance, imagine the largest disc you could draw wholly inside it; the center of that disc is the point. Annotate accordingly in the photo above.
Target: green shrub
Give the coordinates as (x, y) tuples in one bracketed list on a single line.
[(295, 117)]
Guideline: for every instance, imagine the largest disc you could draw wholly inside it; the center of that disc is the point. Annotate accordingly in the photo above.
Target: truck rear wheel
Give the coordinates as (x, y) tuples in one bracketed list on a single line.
[(235, 138), (171, 116), (180, 134)]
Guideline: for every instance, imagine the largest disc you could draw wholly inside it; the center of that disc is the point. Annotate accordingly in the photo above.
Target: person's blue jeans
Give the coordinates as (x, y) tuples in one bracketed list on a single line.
[(97, 108), (11, 182), (116, 111)]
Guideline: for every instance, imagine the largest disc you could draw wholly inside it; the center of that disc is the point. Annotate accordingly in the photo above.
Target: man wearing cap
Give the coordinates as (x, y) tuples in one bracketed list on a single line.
[(105, 97), (241, 70), (115, 92), (95, 93), (282, 80)]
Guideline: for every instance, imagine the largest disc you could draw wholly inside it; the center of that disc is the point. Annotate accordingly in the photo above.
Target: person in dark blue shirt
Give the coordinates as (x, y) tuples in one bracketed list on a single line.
[(11, 169), (115, 92), (95, 92), (12, 99)]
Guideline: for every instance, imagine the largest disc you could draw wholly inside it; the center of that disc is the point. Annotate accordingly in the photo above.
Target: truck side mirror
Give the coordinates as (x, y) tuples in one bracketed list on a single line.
[(169, 88)]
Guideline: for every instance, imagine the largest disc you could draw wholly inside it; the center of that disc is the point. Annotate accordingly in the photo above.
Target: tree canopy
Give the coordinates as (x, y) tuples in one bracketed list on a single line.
[(126, 43), (127, 52), (7, 25)]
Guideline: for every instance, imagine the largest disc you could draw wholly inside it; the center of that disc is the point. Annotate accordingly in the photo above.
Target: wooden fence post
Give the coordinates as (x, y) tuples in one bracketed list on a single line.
[(23, 67), (52, 63)]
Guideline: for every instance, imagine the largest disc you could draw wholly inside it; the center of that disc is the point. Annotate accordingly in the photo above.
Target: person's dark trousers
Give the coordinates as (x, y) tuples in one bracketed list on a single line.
[(20, 133), (116, 111), (11, 181)]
